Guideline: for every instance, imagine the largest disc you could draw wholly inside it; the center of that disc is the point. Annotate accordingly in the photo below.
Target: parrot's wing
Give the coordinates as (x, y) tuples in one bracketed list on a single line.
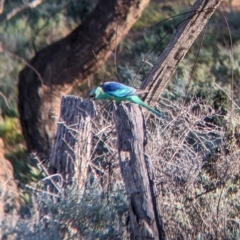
[(117, 89)]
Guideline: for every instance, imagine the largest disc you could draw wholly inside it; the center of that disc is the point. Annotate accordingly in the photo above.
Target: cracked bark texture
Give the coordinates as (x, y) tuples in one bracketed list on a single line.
[(144, 213), (67, 62), (71, 151)]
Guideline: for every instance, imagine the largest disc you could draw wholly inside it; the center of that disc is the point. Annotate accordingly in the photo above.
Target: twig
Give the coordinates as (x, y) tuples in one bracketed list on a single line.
[(16, 10), (5, 99), (13, 55), (1, 6), (227, 96)]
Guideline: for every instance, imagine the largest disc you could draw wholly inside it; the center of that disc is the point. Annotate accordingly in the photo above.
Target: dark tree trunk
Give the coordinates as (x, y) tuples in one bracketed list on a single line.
[(67, 62)]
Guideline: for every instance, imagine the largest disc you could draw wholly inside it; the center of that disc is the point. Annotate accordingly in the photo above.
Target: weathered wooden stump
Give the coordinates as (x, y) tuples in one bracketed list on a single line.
[(71, 153), (72, 147), (137, 173)]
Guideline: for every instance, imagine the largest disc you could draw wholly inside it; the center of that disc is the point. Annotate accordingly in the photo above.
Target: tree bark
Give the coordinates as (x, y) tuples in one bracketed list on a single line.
[(145, 218), (179, 45), (72, 147), (67, 62)]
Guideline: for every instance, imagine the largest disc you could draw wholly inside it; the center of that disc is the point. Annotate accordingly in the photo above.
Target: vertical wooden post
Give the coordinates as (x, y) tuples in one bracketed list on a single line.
[(144, 215), (72, 147)]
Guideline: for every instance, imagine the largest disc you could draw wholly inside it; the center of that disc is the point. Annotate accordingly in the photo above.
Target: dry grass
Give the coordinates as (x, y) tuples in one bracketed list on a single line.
[(197, 176), (197, 173)]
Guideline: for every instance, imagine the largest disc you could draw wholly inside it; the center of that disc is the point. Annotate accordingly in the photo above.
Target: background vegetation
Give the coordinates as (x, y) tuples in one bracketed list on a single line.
[(198, 171)]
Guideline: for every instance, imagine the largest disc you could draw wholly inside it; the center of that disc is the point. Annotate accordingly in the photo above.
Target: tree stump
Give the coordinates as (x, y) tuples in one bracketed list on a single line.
[(72, 147)]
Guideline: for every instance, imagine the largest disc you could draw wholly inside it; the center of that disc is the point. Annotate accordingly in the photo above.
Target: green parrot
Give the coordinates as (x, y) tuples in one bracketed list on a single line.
[(119, 92)]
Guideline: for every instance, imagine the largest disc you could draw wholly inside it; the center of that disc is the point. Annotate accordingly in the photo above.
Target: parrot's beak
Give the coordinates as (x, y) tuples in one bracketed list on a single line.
[(92, 97), (92, 94)]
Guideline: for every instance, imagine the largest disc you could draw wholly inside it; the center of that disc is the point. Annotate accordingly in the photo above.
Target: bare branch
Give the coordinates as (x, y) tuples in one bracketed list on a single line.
[(179, 45), (13, 55), (19, 9), (1, 6), (5, 99)]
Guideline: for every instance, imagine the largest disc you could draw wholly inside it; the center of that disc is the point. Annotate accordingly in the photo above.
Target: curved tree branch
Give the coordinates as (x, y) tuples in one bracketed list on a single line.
[(67, 62)]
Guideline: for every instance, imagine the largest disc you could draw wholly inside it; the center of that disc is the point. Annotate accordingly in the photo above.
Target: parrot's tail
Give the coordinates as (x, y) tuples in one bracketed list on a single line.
[(155, 111), (136, 99)]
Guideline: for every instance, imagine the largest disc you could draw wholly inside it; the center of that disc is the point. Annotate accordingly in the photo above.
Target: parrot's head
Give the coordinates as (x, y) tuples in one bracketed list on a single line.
[(96, 93)]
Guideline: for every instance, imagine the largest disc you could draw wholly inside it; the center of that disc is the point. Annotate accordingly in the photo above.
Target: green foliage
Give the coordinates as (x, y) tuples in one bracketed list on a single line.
[(23, 170), (149, 17), (93, 214), (10, 131), (128, 76)]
